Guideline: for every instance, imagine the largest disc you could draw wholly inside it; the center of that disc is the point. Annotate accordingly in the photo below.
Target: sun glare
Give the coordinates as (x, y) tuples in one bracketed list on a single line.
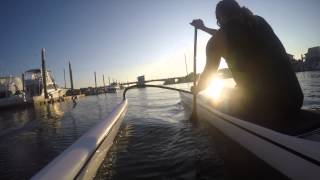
[(215, 88), (219, 89), (223, 64)]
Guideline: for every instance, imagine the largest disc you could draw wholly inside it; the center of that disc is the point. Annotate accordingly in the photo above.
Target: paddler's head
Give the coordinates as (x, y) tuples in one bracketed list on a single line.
[(230, 9)]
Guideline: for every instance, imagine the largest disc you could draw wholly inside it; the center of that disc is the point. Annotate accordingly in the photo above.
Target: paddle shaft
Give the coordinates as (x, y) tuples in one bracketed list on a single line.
[(194, 111)]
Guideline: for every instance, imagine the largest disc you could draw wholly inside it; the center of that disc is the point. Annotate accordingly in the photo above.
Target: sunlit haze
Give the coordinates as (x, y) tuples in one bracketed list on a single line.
[(217, 87), (125, 39)]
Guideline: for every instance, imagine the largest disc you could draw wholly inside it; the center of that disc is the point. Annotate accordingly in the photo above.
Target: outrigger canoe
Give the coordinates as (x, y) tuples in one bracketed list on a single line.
[(249, 150), (82, 159), (255, 152)]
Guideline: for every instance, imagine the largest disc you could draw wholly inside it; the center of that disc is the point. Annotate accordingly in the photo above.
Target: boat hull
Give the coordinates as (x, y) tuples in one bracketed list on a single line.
[(111, 90), (238, 161), (254, 152), (16, 100), (82, 159)]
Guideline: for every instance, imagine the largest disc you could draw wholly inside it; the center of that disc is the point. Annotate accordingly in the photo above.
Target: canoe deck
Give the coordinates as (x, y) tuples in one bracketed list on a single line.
[(305, 124), (289, 152)]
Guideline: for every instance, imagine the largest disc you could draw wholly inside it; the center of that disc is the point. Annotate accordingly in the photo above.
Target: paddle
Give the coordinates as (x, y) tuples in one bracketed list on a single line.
[(194, 114)]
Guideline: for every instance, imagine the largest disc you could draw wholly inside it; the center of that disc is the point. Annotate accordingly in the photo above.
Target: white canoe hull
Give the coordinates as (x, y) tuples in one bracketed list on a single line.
[(276, 155), (83, 158)]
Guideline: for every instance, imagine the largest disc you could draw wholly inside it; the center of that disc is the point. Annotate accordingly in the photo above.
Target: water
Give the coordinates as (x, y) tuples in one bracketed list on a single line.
[(310, 84), (31, 137), (156, 140)]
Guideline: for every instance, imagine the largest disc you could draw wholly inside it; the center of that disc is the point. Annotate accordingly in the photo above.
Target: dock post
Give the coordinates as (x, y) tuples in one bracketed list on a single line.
[(104, 84), (71, 79), (44, 74), (95, 82), (22, 78)]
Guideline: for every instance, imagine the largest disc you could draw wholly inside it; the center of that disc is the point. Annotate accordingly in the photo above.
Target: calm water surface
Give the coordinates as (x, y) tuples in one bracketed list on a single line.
[(156, 140), (310, 84), (31, 137)]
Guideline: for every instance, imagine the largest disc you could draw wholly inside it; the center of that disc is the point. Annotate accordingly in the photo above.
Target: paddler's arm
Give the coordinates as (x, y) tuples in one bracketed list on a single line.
[(214, 51), (198, 23)]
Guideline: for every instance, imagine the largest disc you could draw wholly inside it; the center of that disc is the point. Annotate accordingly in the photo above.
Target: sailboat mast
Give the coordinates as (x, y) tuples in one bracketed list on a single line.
[(104, 83), (64, 78), (185, 61)]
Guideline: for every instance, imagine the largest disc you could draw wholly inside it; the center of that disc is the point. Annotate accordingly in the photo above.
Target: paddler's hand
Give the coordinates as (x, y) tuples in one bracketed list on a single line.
[(198, 23)]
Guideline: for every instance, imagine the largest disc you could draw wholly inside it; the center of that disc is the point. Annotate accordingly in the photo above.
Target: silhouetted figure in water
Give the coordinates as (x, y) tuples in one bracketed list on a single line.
[(260, 66), (74, 100)]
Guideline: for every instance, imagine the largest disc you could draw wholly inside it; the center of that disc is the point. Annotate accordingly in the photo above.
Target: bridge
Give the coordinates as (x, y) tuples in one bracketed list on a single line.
[(142, 81), (222, 73)]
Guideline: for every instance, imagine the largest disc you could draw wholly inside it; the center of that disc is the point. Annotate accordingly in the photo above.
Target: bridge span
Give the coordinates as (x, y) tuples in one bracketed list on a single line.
[(141, 81)]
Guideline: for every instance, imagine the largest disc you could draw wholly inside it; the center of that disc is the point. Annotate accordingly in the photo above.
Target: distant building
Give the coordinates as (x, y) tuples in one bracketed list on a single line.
[(141, 80), (312, 58)]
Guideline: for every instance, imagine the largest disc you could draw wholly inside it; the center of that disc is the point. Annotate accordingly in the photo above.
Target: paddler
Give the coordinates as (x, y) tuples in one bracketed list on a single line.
[(266, 82)]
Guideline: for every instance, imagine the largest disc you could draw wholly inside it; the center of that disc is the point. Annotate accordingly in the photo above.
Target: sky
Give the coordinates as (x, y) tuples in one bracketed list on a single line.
[(123, 39)]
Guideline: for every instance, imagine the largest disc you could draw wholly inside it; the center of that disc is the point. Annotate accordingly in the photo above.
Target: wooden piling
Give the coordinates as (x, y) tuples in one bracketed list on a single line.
[(104, 84), (71, 79), (22, 78), (44, 74), (95, 80)]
